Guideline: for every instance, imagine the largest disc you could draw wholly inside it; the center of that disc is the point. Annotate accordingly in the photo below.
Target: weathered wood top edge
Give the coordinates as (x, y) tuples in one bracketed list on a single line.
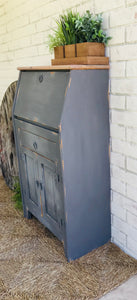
[(64, 67)]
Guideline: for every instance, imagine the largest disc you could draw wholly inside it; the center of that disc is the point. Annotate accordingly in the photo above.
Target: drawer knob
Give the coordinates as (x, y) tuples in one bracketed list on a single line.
[(35, 145), (40, 78)]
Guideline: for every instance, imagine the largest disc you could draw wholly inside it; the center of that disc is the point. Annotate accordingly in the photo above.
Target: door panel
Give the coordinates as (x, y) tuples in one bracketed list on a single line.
[(48, 177), (49, 180), (29, 175), (30, 169), (52, 187)]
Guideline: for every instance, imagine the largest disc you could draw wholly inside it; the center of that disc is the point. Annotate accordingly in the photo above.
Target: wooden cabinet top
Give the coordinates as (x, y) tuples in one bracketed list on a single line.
[(64, 67)]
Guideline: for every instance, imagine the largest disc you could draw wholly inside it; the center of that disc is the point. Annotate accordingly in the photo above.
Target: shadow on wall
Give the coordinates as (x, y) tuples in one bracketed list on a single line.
[(8, 159)]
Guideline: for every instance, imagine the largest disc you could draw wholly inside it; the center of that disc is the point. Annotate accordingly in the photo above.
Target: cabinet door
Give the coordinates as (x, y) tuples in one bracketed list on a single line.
[(50, 183), (29, 174), (42, 188)]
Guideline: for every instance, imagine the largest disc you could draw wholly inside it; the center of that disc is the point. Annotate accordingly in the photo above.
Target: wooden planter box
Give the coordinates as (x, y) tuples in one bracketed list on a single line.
[(59, 52), (82, 53), (90, 49), (87, 60), (65, 51), (70, 51)]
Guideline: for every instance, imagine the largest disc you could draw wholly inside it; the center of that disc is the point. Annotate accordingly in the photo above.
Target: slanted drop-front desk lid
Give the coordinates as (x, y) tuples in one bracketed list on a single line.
[(41, 97)]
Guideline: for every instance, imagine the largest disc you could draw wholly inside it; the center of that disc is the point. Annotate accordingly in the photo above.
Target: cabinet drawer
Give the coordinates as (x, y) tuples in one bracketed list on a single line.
[(38, 144)]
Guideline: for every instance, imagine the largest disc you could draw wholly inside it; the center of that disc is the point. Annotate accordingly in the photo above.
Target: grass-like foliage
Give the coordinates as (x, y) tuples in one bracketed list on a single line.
[(74, 28), (68, 25), (17, 195)]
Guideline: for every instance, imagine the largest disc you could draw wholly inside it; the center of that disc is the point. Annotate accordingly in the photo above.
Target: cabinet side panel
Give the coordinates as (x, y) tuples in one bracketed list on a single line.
[(85, 155)]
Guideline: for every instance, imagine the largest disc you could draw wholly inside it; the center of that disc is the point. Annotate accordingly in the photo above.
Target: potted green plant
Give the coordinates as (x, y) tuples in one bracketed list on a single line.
[(90, 36), (78, 36), (64, 35)]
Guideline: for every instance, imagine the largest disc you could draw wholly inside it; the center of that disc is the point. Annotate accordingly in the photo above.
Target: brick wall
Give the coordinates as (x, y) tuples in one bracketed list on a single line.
[(24, 28), (123, 117)]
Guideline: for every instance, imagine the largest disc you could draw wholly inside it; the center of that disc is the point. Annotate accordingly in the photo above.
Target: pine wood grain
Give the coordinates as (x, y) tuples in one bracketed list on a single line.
[(85, 60), (90, 49), (62, 67)]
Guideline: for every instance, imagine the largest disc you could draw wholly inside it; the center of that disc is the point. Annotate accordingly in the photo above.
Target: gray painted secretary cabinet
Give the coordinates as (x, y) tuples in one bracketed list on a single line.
[(61, 125)]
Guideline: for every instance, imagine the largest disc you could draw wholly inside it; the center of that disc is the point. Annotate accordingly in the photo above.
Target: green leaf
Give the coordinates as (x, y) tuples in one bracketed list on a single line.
[(93, 36), (75, 28)]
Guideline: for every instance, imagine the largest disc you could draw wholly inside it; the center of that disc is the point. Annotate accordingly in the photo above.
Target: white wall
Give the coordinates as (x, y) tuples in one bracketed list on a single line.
[(24, 27)]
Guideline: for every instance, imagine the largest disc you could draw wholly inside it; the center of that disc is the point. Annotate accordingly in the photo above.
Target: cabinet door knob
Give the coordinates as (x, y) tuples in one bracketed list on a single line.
[(40, 185), (37, 182), (35, 145)]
